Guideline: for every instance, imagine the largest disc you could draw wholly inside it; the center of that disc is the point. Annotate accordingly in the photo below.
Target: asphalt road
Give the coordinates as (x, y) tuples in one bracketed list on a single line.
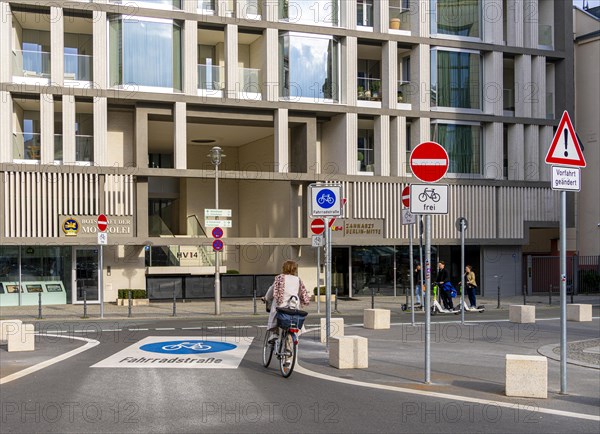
[(72, 396)]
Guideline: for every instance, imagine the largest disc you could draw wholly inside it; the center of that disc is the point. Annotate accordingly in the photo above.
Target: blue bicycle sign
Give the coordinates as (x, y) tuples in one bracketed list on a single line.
[(326, 198)]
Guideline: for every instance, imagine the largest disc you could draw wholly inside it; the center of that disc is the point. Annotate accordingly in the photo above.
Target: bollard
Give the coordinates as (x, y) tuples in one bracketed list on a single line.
[(174, 303), (39, 305), (372, 298), (498, 307), (129, 304), (254, 299), (336, 298), (85, 315), (524, 295), (550, 295)]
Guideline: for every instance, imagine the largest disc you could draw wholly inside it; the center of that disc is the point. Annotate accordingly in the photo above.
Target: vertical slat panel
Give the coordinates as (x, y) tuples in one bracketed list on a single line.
[(34, 204), (12, 210), (27, 198), (45, 213)]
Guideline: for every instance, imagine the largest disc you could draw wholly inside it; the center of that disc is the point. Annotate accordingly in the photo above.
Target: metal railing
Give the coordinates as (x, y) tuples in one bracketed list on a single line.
[(78, 67), (28, 63), (369, 89), (545, 35), (399, 18), (250, 80), (211, 77), (583, 274), (27, 146)]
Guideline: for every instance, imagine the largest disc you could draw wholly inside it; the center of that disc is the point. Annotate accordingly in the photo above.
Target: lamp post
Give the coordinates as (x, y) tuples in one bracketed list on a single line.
[(216, 155)]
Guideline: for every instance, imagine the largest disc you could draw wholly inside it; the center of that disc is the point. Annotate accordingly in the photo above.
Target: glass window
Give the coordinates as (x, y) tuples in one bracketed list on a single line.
[(364, 13), (308, 67), (315, 12), (366, 150), (138, 43), (463, 144), (159, 4), (456, 17), (455, 79)]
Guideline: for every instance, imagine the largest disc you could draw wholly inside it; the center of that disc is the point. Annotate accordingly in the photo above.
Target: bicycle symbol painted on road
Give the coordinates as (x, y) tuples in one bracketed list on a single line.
[(326, 198), (187, 346), (429, 193), (198, 346)]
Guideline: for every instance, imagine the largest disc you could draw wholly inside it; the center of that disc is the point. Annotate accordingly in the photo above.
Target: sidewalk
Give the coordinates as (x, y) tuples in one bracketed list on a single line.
[(245, 307)]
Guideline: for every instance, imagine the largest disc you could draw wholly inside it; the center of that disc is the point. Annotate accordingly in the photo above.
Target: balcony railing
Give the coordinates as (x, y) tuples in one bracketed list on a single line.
[(250, 80), (364, 15), (549, 105), (369, 89), (58, 147), (404, 92), (399, 18), (545, 35), (211, 77), (84, 148), (31, 64), (27, 146), (78, 67)]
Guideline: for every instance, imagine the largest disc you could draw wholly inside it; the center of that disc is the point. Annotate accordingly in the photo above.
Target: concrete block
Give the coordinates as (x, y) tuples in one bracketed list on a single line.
[(9, 327), (348, 352), (526, 376), (24, 341), (579, 312), (336, 328), (376, 319), (522, 314)]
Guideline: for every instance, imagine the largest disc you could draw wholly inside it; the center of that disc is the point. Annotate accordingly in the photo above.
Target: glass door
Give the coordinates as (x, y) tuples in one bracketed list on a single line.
[(85, 274)]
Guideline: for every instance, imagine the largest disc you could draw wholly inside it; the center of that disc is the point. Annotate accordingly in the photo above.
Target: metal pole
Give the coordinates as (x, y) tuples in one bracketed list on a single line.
[(101, 280), (85, 315), (412, 277), (254, 300), (422, 277), (563, 292), (372, 297), (524, 294), (174, 302), (20, 276), (129, 304), (39, 305), (498, 277), (550, 295), (319, 279), (428, 298), (217, 265), (395, 271), (336, 300), (462, 267), (327, 281)]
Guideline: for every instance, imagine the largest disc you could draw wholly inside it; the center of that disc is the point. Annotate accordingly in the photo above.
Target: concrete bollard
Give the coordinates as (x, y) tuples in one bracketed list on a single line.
[(526, 376), (521, 314), (336, 328), (349, 352), (9, 327), (376, 319), (579, 312), (22, 341)]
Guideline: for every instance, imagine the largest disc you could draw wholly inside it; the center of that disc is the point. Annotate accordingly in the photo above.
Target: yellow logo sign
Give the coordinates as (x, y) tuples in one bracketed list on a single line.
[(70, 227)]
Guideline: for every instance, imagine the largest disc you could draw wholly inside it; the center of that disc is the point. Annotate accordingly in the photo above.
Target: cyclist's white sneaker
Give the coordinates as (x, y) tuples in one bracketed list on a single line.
[(273, 337)]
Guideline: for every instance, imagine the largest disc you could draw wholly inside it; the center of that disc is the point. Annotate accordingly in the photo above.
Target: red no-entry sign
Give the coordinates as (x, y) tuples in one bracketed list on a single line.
[(102, 223), (406, 196), (317, 226), (429, 162)]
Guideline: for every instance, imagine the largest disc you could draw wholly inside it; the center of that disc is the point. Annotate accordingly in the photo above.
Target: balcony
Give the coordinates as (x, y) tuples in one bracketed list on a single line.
[(364, 14), (31, 64), (404, 92), (84, 148), (26, 146), (399, 19), (78, 67), (250, 80), (211, 77), (545, 36), (369, 89)]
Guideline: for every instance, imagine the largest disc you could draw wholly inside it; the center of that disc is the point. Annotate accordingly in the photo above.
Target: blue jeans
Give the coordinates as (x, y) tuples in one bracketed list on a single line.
[(471, 294), (418, 294)]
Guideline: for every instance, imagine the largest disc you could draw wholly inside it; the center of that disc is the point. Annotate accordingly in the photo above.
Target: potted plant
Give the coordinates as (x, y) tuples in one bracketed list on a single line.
[(360, 158), (376, 87), (361, 92), (395, 23), (139, 297)]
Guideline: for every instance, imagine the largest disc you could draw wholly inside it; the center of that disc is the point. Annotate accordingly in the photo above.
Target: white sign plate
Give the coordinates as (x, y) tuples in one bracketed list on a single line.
[(188, 352), (218, 223), (408, 218), (318, 241), (566, 178), (428, 199), (325, 200), (217, 212), (102, 238)]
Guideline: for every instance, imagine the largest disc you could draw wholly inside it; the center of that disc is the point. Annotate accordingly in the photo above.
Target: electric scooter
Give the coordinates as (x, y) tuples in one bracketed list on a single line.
[(437, 307), (479, 309)]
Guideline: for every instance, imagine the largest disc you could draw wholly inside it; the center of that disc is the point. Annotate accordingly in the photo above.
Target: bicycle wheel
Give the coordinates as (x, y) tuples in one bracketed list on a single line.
[(267, 350), (287, 359), (423, 197)]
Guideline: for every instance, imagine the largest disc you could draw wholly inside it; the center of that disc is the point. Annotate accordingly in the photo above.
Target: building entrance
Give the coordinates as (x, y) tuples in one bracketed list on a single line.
[(85, 273)]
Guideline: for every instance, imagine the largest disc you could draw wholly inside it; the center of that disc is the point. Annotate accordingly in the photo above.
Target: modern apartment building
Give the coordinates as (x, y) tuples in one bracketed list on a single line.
[(113, 106)]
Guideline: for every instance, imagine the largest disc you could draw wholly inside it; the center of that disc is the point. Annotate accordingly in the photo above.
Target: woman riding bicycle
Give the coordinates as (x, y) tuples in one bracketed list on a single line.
[(286, 287)]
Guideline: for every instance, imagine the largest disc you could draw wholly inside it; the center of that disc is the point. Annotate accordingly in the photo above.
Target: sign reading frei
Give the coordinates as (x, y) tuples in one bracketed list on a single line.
[(428, 199), (325, 200), (87, 225)]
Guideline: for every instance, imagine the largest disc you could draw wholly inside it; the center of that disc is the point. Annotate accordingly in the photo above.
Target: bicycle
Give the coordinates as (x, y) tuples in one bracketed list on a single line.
[(198, 346), (429, 193)]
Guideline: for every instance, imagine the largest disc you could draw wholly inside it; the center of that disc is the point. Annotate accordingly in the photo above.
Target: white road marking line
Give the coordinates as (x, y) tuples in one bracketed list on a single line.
[(163, 329), (138, 330), (191, 328), (90, 343), (216, 327), (241, 327), (302, 370)]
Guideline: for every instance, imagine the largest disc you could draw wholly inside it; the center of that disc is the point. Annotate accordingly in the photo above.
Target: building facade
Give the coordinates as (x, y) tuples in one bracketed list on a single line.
[(112, 107)]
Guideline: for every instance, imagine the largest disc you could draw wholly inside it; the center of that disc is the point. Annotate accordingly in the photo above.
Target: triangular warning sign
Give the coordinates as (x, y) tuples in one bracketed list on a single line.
[(565, 149)]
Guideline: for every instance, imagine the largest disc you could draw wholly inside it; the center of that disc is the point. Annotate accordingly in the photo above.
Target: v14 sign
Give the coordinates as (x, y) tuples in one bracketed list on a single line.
[(429, 161)]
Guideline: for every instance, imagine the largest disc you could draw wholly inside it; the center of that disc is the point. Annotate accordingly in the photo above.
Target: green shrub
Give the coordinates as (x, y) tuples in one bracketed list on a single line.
[(589, 281), (232, 272), (135, 293), (323, 290)]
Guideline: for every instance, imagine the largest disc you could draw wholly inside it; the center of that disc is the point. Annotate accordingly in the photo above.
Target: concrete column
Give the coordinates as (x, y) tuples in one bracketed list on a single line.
[(420, 62), (424, 133), (282, 137), (5, 42), (492, 17), (68, 128), (57, 42), (538, 79), (516, 152), (190, 57), (271, 65), (190, 6), (180, 135), (232, 82), (100, 130), (270, 10), (6, 126), (524, 88), (351, 143), (531, 23), (532, 153), (348, 14), (514, 26), (493, 83), (141, 138), (424, 18), (100, 41), (381, 16), (493, 157), (546, 136), (312, 156), (382, 145), (389, 77), (398, 144), (141, 204), (349, 70), (47, 128)]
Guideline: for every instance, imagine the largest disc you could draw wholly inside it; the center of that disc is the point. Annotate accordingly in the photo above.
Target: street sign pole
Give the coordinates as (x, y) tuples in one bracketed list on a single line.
[(412, 278), (327, 280), (319, 279), (101, 279), (428, 298), (217, 265), (462, 267), (422, 279), (563, 292)]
